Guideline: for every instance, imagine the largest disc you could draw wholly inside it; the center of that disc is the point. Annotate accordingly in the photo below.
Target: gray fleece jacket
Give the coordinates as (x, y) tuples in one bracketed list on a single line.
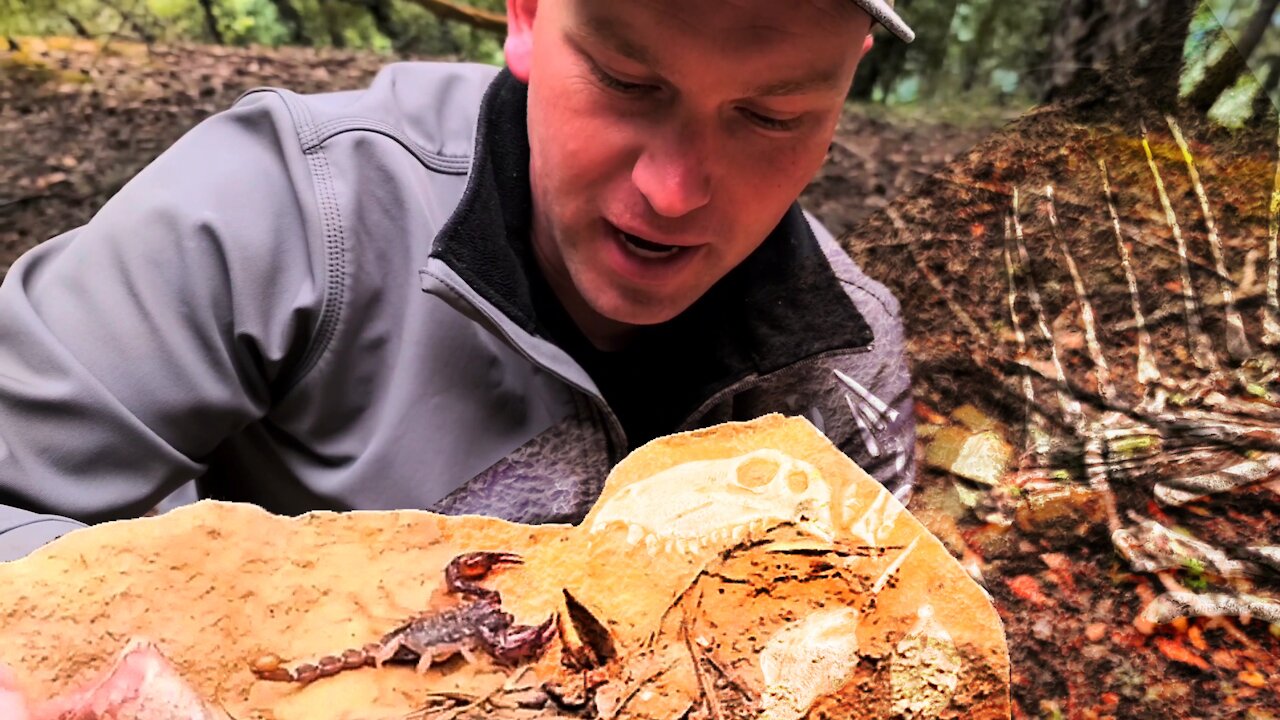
[(327, 302)]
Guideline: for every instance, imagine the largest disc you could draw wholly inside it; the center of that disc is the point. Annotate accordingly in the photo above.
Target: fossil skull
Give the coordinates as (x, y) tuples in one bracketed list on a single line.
[(715, 502)]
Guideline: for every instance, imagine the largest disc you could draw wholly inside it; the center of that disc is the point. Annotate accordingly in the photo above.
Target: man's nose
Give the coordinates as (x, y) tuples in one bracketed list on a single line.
[(673, 172)]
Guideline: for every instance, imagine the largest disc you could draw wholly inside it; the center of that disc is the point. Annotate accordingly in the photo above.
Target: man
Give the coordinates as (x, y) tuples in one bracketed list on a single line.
[(461, 289)]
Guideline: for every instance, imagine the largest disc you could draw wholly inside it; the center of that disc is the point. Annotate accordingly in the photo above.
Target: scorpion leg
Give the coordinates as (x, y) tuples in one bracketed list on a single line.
[(387, 650), (468, 655)]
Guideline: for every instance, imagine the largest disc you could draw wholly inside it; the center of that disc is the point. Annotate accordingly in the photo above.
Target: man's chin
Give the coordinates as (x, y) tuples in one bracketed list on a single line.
[(638, 314)]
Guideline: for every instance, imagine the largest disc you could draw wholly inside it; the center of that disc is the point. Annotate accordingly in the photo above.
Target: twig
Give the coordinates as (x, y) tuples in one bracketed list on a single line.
[(24, 199), (730, 678), (708, 693), (474, 701)]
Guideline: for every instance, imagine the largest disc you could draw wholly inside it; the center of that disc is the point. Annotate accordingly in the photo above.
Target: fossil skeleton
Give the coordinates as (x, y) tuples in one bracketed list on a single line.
[(1129, 351)]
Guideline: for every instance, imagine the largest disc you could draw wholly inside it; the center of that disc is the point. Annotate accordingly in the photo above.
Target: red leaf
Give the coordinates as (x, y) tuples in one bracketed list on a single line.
[(1177, 652), (1028, 588)]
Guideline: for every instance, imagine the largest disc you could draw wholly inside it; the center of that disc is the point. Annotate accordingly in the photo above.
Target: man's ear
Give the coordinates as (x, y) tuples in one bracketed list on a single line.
[(518, 47), (866, 44)]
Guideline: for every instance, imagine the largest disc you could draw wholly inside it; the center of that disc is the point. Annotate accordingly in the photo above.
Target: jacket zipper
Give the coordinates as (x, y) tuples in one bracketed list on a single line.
[(614, 427)]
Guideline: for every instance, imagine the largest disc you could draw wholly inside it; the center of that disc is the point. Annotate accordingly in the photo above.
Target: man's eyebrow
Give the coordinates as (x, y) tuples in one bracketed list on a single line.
[(607, 33), (604, 31), (823, 80)]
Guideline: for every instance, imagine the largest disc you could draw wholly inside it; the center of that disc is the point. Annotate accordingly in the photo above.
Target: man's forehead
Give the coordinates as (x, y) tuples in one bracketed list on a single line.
[(763, 17), (642, 30)]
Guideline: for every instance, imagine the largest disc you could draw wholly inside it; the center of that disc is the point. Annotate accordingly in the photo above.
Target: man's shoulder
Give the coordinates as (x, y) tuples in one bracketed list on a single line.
[(876, 302), (430, 108)]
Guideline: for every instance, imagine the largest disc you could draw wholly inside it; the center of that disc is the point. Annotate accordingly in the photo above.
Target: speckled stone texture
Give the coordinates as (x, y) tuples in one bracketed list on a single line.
[(746, 570)]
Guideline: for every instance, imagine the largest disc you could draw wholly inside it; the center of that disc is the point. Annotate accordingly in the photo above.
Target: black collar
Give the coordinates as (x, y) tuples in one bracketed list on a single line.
[(780, 305)]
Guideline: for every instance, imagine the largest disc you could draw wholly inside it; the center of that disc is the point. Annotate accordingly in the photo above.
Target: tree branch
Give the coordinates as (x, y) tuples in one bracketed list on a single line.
[(479, 19), (1224, 73)]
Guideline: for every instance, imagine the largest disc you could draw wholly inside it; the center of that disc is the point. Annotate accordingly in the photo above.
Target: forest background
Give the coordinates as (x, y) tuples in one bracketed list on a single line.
[(980, 55)]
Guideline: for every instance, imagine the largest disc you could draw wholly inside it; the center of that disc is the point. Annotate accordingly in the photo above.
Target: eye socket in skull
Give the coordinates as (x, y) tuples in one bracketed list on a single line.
[(756, 473), (761, 473)]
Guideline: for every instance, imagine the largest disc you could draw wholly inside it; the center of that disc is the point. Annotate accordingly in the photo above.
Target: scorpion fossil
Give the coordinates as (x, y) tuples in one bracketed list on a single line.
[(477, 623)]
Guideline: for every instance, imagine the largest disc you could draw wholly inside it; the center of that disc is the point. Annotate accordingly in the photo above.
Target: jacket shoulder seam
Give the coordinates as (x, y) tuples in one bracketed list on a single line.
[(884, 303), (332, 232), (440, 162)]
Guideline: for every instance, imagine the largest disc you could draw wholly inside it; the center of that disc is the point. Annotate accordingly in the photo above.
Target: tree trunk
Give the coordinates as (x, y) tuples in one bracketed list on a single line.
[(1125, 46), (380, 11), (864, 82), (1264, 106), (1068, 47), (334, 21), (211, 21), (893, 57), (292, 20), (1157, 69), (983, 38), (934, 49), (1226, 71), (895, 60)]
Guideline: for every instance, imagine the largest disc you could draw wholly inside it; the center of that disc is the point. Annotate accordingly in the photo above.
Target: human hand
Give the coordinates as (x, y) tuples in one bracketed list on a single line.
[(13, 701), (141, 684)]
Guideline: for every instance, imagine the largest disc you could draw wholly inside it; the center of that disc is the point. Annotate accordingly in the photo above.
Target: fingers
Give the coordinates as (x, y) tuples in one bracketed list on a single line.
[(13, 704)]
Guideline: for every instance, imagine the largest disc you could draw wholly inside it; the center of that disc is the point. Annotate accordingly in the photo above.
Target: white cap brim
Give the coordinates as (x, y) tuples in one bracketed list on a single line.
[(881, 12)]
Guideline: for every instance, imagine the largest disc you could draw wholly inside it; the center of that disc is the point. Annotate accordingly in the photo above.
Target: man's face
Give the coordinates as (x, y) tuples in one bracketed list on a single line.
[(668, 138)]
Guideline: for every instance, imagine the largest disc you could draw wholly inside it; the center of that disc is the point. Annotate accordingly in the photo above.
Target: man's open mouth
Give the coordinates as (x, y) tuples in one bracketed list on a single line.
[(645, 249)]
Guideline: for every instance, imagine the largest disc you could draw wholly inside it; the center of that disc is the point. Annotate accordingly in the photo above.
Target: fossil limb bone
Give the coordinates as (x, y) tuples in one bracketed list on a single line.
[(1237, 343), (1147, 370), (1271, 314), (1197, 340)]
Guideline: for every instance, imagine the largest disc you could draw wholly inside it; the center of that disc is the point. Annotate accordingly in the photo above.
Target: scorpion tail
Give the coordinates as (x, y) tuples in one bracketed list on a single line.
[(271, 667)]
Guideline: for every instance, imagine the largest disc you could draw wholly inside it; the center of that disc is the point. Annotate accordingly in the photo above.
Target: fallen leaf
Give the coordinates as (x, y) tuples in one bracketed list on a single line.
[(1252, 678), (1028, 589), (1177, 652), (1225, 660), (1196, 638)]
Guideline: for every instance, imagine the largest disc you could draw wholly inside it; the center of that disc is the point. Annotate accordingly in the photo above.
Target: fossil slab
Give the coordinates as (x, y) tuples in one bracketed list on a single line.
[(746, 570)]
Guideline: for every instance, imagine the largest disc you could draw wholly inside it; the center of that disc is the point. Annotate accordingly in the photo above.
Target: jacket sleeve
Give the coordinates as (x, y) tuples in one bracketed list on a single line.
[(131, 346), (864, 401)]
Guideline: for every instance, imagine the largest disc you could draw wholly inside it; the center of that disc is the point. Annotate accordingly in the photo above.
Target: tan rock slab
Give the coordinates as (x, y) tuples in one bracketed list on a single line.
[(745, 570)]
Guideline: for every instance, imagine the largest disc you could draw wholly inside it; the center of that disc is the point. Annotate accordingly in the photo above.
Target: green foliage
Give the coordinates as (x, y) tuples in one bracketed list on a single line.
[(249, 22), (379, 25), (979, 50), (1194, 578), (181, 17), (968, 54)]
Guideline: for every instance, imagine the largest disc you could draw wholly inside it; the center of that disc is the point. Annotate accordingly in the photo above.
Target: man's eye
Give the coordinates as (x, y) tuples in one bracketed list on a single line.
[(771, 123), (614, 83)]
